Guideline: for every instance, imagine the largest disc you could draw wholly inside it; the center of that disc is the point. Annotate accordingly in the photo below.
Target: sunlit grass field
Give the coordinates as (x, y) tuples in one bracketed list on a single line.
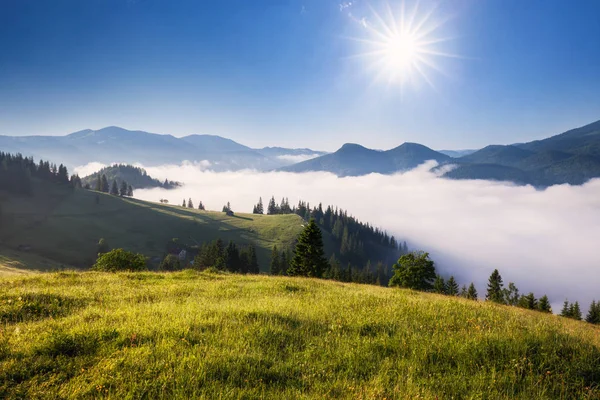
[(209, 335), (64, 225)]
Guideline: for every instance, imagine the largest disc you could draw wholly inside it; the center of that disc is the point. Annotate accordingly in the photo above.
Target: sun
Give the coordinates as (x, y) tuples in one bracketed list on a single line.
[(403, 47), (400, 51)]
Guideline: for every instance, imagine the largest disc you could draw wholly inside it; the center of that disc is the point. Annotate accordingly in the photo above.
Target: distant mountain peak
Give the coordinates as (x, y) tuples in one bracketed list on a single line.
[(352, 147)]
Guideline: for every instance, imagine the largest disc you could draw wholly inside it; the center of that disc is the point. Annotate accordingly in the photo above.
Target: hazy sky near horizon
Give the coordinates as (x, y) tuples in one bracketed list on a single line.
[(284, 72)]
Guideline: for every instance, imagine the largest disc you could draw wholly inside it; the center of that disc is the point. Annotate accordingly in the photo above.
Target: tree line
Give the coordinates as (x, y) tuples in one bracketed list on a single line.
[(124, 189), (16, 173), (357, 245)]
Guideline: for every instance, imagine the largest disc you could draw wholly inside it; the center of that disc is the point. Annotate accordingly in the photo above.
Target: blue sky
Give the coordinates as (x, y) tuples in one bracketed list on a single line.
[(284, 72)]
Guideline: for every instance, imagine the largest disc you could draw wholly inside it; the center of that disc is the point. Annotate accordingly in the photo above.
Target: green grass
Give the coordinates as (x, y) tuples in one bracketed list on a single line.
[(203, 335), (64, 225), (14, 262)]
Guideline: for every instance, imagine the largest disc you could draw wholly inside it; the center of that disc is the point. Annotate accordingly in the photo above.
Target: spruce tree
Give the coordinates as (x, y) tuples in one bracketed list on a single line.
[(284, 262), (472, 292), (114, 190), (123, 189), (129, 191), (335, 272), (98, 187), (576, 312), (272, 208), (439, 286), (190, 204), (451, 287), (593, 315), (309, 257), (244, 261), (253, 266), (544, 304), (494, 290), (565, 312), (201, 206), (183, 204), (528, 302), (259, 208), (463, 291), (232, 257), (105, 187), (274, 267)]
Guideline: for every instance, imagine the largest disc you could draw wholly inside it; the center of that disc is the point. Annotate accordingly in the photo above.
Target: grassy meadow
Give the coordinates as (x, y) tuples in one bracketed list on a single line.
[(77, 335), (65, 225)]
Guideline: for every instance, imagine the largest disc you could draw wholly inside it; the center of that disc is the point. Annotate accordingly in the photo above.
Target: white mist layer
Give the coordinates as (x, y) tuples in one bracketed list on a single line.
[(544, 241), (296, 158)]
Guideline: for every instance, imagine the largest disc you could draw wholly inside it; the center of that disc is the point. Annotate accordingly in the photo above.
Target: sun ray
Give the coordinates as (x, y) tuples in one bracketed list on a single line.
[(403, 47)]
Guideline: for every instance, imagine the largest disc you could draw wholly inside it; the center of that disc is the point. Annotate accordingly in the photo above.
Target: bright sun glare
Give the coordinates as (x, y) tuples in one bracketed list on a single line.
[(404, 46)]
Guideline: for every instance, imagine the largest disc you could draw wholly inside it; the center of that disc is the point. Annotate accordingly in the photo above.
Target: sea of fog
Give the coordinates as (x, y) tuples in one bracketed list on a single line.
[(546, 241)]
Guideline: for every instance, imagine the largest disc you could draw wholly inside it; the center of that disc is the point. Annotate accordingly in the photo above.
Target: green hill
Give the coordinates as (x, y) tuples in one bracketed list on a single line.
[(202, 335), (64, 225)]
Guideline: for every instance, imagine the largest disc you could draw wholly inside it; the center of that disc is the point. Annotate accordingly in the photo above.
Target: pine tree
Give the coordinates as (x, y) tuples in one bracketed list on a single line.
[(272, 208), (576, 312), (253, 266), (438, 285), (565, 312), (335, 272), (98, 187), (114, 190), (123, 189), (284, 262), (183, 204), (451, 287), (544, 304), (105, 187), (593, 315), (129, 191), (232, 257), (259, 208), (309, 257), (494, 291), (190, 204), (463, 291), (274, 267), (244, 261), (472, 292), (528, 302)]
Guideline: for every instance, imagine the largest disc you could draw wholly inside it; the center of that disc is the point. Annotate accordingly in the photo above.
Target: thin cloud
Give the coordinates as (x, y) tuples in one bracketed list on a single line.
[(345, 5), (544, 241)]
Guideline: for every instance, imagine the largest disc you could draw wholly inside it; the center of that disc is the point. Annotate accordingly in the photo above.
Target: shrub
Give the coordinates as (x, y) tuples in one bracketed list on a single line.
[(170, 263), (120, 260)]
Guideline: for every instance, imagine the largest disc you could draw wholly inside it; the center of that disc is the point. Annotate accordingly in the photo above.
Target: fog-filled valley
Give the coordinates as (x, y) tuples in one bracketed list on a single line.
[(542, 240)]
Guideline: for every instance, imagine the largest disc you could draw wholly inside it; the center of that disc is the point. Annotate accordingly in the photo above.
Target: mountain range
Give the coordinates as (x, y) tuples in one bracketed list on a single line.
[(114, 144), (571, 157)]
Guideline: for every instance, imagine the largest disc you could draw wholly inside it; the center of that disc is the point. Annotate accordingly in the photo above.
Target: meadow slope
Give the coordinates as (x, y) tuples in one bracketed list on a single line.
[(208, 335), (64, 225)]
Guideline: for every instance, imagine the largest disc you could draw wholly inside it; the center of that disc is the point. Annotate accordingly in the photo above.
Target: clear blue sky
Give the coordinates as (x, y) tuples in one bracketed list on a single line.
[(281, 72)]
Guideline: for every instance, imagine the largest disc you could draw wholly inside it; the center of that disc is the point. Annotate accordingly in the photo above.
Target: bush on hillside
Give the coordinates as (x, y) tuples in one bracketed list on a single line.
[(120, 260), (414, 271), (170, 263)]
